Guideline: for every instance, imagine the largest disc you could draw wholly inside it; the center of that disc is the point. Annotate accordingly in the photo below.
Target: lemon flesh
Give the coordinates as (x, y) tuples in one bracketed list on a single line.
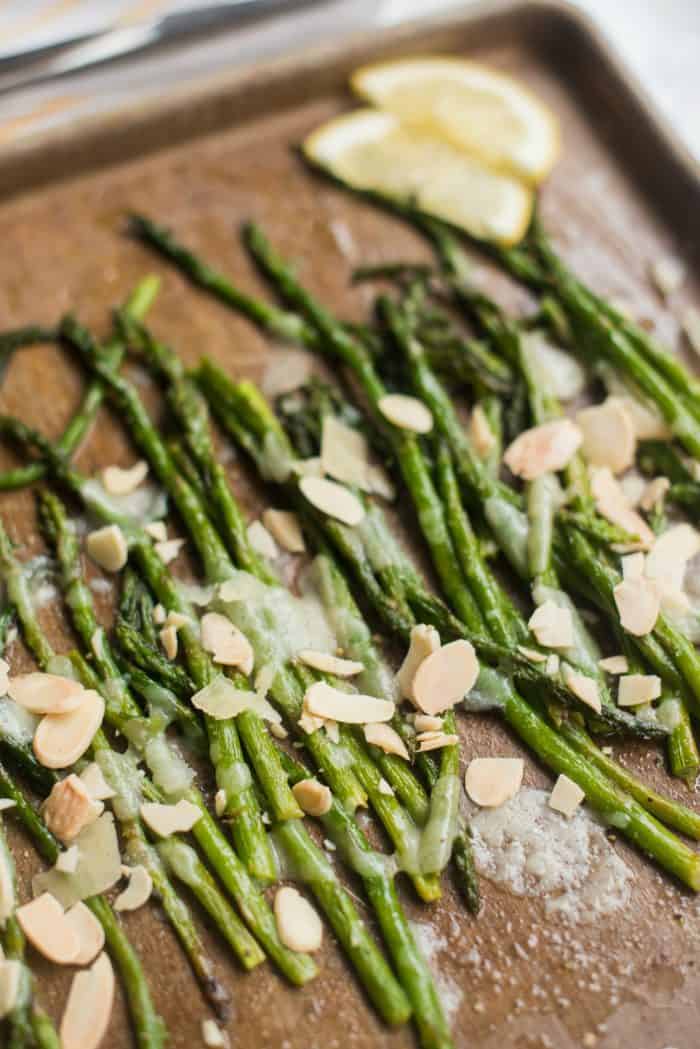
[(374, 150), (473, 107)]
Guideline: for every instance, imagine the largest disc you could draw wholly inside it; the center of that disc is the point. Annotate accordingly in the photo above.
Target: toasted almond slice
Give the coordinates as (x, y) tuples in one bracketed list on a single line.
[(284, 527), (584, 687), (45, 693), (408, 413), (552, 626), (89, 932), (212, 1035), (427, 723), (332, 730), (309, 723), (220, 802), (386, 738), (380, 482), (44, 924), (532, 654), (543, 449), (277, 730), (308, 467), (67, 861), (609, 436), (137, 892), (107, 547), (424, 641), (632, 565), (157, 530), (482, 436), (654, 493), (227, 644), (491, 782), (314, 798), (170, 819), (611, 503), (159, 615), (344, 453), (668, 557), (168, 639), (4, 676), (668, 274), (118, 481), (169, 549), (69, 808), (566, 796), (436, 742), (89, 1007), (353, 708), (298, 924), (635, 689), (445, 677), (261, 540), (614, 664), (329, 664), (8, 899), (638, 605), (332, 499), (11, 972), (60, 739), (177, 619), (551, 666)]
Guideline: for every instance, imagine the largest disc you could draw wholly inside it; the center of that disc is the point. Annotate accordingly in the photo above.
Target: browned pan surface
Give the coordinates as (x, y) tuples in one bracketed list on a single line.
[(620, 197)]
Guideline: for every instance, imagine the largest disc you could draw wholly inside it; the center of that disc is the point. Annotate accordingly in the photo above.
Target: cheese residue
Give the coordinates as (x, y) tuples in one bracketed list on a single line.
[(530, 850)]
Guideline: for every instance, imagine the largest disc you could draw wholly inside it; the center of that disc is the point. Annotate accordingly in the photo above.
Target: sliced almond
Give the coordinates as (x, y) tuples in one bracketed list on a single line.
[(220, 802), (157, 530), (638, 605), (543, 449), (284, 527), (635, 689), (566, 796), (691, 327), (609, 436), (67, 861), (298, 924), (138, 891), (632, 566), (168, 639), (7, 803), (89, 1007), (4, 677), (482, 437), (69, 808), (380, 482), (44, 924), (212, 1035), (612, 504), (107, 547), (45, 693), (386, 738), (437, 741), (159, 615), (552, 626), (445, 677), (408, 413), (11, 972), (491, 782), (309, 723), (308, 467), (118, 481), (384, 787), (177, 619), (332, 499), (654, 493), (169, 549), (314, 798), (329, 664), (584, 687), (89, 932), (551, 665), (353, 708), (261, 540), (668, 274), (424, 641), (8, 899), (60, 739), (344, 453), (227, 644), (428, 723), (614, 664), (532, 654), (96, 785), (170, 819), (668, 557)]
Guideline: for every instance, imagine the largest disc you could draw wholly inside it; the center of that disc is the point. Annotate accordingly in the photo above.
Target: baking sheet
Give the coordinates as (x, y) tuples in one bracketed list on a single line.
[(621, 196)]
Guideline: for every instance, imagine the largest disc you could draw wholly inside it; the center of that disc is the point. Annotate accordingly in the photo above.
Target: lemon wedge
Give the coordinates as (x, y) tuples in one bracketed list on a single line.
[(475, 108), (373, 150)]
